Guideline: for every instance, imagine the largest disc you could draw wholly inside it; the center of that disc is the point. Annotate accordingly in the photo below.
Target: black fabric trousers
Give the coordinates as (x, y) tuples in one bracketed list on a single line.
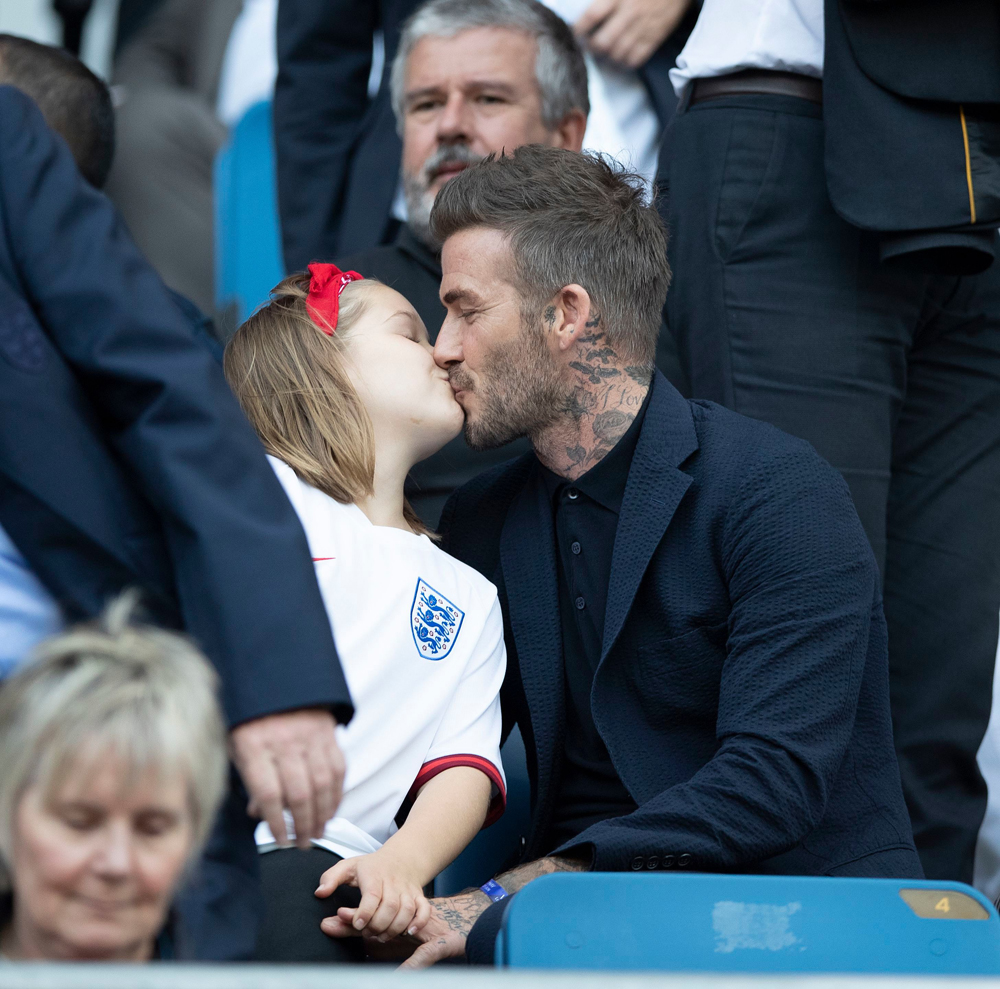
[(783, 312), (291, 932)]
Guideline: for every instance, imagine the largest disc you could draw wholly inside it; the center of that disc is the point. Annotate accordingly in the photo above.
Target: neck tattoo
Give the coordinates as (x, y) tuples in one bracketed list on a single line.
[(602, 402)]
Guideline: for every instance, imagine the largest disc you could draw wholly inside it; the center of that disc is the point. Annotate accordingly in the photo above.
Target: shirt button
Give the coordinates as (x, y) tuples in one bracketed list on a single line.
[(637, 863), (575, 548), (683, 861), (653, 862), (572, 494), (580, 604)]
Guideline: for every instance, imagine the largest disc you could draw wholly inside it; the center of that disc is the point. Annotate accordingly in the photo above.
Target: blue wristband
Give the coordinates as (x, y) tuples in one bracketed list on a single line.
[(494, 891)]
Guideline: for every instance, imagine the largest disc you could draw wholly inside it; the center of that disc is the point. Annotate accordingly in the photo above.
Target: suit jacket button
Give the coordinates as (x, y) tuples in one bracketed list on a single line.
[(668, 861), (683, 861), (637, 863), (653, 862)]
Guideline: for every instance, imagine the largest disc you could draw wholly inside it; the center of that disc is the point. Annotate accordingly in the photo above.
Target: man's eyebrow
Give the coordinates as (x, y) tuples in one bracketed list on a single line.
[(460, 295), (476, 84), (416, 94)]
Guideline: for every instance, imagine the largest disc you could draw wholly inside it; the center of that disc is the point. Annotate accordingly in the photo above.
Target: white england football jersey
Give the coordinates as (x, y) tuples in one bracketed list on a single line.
[(420, 638)]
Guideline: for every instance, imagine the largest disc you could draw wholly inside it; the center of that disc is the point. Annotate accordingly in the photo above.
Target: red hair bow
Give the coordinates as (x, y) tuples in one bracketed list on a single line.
[(326, 282)]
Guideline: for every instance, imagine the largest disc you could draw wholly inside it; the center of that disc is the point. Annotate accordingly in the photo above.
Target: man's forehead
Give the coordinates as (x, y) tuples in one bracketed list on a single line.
[(476, 255), (475, 265), (480, 54)]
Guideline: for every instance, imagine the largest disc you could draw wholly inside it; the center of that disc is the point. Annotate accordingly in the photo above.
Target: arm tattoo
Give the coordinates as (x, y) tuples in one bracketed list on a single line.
[(520, 876)]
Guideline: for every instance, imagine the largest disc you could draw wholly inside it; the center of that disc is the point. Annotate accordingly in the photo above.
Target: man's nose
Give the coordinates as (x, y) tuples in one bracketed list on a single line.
[(454, 121), (448, 346)]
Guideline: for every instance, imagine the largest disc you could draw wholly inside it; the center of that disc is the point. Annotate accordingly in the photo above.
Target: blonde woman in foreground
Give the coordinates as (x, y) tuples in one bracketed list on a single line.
[(338, 377), (114, 764)]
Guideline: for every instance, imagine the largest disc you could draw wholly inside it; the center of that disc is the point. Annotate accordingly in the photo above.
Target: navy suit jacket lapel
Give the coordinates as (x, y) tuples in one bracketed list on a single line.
[(653, 491), (527, 556)]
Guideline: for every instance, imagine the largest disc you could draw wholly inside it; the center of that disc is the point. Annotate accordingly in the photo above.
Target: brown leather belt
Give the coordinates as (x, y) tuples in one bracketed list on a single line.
[(757, 81)]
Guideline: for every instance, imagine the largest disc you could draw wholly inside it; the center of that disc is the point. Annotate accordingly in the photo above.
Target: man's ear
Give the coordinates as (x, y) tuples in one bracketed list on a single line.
[(569, 316), (569, 133)]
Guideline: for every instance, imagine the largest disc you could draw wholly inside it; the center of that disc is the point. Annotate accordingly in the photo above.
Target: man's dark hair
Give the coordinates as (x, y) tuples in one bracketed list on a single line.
[(76, 104), (570, 217)]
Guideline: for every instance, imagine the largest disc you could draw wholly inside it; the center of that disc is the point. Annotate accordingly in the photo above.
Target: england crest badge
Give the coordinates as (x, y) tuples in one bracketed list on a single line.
[(434, 621)]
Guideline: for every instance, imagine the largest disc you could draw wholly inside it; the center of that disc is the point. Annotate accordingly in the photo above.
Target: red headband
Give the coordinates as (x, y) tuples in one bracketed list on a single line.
[(326, 282)]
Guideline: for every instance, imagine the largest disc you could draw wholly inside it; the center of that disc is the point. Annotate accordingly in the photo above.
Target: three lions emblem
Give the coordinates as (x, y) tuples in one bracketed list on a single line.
[(434, 621)]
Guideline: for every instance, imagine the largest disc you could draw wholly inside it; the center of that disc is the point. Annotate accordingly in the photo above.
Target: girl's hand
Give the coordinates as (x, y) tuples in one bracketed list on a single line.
[(392, 899)]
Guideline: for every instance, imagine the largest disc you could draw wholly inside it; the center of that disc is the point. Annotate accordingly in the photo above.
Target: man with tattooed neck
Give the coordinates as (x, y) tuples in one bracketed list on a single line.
[(696, 647)]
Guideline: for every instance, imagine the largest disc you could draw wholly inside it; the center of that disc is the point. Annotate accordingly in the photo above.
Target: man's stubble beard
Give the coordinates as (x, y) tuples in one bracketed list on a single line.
[(519, 392)]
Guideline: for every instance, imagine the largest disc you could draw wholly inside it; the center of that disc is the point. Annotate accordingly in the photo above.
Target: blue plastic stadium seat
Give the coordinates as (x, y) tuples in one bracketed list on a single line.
[(493, 849), (248, 261), (724, 923)]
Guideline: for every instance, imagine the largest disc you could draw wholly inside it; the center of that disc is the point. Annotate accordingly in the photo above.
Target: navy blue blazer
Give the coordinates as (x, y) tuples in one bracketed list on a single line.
[(124, 458), (743, 689), (339, 152)]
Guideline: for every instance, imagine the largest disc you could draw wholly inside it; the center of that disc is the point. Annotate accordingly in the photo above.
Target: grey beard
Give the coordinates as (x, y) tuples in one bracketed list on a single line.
[(419, 198), (419, 203)]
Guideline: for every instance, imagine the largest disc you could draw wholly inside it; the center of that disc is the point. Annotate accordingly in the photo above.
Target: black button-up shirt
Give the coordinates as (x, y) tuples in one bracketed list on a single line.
[(585, 513)]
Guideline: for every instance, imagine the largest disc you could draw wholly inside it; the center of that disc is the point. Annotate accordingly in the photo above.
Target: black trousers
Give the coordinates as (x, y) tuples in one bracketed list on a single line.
[(782, 311), (291, 932)]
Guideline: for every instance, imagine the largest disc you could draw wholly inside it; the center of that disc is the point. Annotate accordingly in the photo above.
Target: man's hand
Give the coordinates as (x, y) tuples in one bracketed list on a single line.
[(291, 760), (442, 936), (629, 31)]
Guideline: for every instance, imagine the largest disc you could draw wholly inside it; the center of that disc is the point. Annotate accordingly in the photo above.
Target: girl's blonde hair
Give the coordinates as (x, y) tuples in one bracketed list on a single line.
[(291, 380), (143, 694)]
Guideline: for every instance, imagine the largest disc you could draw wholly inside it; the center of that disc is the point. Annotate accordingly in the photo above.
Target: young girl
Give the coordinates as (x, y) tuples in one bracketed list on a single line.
[(338, 377)]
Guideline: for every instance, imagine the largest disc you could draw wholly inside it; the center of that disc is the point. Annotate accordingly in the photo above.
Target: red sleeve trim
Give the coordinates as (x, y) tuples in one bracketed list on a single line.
[(431, 769)]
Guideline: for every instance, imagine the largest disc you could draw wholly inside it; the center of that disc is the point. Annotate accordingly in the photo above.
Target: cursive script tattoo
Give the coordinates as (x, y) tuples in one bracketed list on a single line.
[(550, 315)]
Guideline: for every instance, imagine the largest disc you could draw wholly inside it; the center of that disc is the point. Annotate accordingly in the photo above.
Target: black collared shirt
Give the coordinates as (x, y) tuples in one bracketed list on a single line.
[(585, 514)]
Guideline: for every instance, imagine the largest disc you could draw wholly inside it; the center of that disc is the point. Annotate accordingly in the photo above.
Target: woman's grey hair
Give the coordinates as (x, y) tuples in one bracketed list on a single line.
[(144, 694), (559, 66)]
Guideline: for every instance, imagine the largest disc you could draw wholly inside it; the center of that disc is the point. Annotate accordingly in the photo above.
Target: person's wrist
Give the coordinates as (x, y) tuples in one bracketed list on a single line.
[(477, 902), (493, 891), (399, 867), (421, 869)]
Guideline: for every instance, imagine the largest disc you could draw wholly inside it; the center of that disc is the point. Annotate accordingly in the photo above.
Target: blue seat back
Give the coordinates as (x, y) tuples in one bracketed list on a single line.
[(493, 849), (727, 923), (248, 258)]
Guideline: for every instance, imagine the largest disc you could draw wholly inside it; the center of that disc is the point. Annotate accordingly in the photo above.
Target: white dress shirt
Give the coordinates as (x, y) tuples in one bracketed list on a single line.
[(28, 613), (622, 120), (731, 35)]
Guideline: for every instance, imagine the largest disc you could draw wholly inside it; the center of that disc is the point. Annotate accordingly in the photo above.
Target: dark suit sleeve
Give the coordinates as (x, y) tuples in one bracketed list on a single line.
[(804, 588), (243, 573), (320, 98)]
